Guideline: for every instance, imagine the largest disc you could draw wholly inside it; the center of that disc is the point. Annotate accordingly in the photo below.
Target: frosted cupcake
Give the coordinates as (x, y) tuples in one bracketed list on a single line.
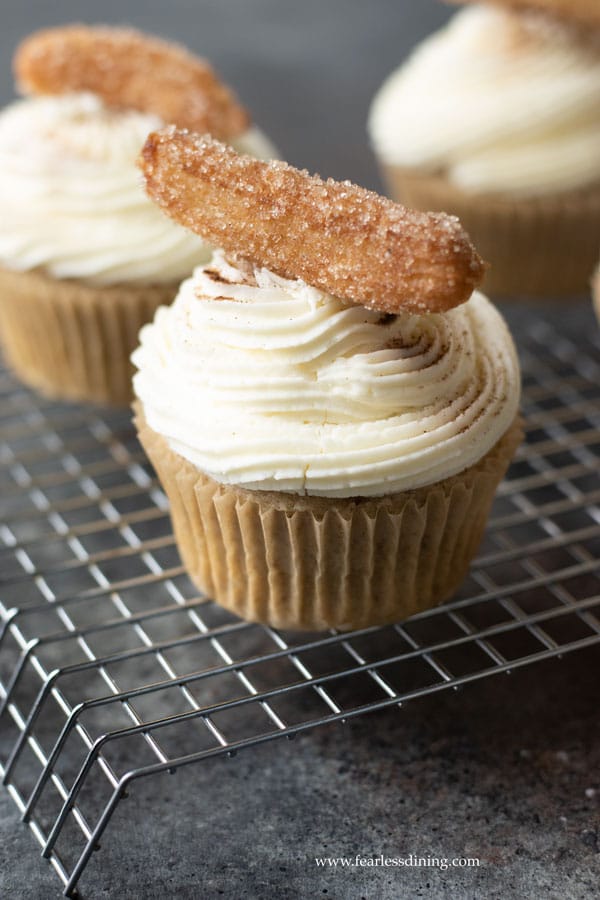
[(330, 456), (497, 118), (85, 257)]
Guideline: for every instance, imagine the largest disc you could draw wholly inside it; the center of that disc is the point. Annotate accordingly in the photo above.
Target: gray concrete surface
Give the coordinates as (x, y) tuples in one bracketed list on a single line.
[(506, 770)]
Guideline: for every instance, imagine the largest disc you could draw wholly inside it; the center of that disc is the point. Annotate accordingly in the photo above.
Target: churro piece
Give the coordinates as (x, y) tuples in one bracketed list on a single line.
[(581, 12), (130, 70), (334, 235)]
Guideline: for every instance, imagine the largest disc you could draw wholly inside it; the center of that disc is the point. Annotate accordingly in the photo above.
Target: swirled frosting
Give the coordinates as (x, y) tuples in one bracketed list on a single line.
[(497, 101), (274, 385), (72, 197)]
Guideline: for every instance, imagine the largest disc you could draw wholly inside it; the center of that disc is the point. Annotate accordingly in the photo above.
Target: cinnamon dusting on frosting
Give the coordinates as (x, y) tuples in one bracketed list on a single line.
[(386, 319)]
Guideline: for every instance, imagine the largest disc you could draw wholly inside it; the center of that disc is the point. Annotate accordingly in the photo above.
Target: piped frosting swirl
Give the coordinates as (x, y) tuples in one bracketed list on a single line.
[(271, 384), (496, 101), (72, 199)]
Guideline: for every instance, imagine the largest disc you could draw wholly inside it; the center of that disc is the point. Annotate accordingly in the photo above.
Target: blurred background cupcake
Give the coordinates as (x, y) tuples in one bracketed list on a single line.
[(85, 257), (496, 118)]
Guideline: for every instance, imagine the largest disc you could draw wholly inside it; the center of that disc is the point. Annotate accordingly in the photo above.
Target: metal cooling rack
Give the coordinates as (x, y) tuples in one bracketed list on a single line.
[(108, 653)]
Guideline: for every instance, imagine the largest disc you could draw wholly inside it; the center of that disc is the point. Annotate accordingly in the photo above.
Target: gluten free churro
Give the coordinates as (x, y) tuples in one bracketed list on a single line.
[(336, 236), (130, 70)]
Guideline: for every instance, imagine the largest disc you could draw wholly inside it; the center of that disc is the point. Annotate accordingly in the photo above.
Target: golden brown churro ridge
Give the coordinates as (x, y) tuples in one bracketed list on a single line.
[(130, 70), (582, 12), (335, 236)]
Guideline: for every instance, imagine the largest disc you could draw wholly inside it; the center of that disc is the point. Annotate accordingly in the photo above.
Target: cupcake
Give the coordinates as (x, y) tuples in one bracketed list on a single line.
[(496, 118), (85, 257), (328, 403)]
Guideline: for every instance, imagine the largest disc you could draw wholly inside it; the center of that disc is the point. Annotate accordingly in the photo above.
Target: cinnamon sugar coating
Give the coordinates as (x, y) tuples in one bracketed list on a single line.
[(581, 12), (130, 70), (336, 236)]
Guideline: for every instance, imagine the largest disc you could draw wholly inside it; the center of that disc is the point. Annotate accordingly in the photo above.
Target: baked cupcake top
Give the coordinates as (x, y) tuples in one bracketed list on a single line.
[(264, 380), (497, 101), (72, 200)]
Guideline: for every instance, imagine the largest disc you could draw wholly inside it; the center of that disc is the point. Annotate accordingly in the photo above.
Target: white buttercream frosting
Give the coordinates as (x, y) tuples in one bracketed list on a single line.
[(497, 102), (271, 384), (72, 198)]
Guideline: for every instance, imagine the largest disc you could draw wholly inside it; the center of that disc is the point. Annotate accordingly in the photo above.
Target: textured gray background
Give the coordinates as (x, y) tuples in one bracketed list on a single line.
[(499, 770)]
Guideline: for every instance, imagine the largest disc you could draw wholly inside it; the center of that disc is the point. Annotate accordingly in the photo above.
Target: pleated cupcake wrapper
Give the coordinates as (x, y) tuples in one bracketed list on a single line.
[(537, 247), (313, 563), (71, 340)]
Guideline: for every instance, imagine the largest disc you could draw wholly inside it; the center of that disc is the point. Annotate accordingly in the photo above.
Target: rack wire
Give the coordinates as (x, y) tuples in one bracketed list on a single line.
[(109, 654)]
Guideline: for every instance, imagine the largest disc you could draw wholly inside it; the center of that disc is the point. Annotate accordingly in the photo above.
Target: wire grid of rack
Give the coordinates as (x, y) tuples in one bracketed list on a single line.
[(108, 653)]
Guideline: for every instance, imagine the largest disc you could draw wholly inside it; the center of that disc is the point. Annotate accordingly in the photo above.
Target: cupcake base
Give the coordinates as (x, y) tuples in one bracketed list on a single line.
[(537, 246), (312, 563), (71, 340)]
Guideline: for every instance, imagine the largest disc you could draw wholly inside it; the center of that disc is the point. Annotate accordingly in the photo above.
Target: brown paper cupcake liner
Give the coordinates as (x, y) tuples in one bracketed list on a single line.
[(71, 340), (537, 247), (312, 563)]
